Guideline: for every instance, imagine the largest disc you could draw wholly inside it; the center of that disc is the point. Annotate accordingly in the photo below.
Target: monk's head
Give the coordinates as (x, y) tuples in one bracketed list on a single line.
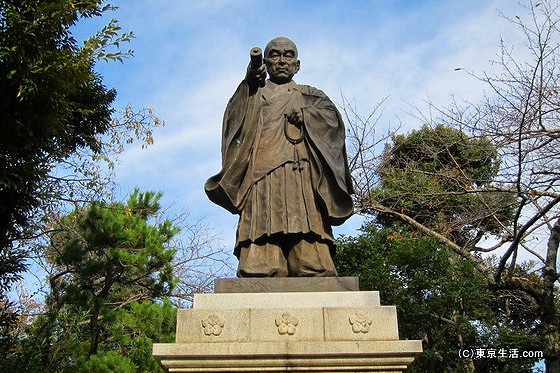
[(280, 56)]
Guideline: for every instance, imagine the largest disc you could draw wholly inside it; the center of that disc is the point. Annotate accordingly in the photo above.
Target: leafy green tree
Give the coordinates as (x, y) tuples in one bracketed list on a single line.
[(441, 299), (57, 133), (425, 174), (52, 101), (108, 298)]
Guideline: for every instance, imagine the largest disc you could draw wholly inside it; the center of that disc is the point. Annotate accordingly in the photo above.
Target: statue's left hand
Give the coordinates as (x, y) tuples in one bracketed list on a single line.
[(295, 117)]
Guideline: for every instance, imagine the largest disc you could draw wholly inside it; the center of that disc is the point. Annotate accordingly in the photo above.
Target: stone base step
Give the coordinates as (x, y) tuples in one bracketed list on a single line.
[(364, 356)]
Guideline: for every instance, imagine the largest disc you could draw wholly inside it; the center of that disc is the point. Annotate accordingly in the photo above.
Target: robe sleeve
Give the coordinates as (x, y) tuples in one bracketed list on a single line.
[(227, 188), (325, 137)]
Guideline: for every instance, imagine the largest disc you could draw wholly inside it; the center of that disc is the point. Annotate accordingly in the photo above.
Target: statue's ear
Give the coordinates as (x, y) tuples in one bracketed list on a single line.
[(297, 66)]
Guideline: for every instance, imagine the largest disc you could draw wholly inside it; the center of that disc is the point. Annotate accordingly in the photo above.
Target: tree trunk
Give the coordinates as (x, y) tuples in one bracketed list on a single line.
[(550, 319), (98, 302), (94, 331)]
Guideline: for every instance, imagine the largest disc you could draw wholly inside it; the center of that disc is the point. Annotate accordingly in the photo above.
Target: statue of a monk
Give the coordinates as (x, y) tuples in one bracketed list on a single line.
[(284, 170)]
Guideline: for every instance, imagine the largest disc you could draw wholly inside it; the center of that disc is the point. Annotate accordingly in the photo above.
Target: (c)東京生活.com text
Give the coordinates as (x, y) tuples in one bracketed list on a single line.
[(493, 353)]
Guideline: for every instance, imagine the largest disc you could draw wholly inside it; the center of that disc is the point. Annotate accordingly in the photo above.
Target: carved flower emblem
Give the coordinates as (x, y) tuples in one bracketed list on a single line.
[(287, 324), (212, 324), (361, 322)]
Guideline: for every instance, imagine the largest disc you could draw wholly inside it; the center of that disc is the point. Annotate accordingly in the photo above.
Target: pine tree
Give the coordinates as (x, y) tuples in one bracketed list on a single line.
[(108, 298)]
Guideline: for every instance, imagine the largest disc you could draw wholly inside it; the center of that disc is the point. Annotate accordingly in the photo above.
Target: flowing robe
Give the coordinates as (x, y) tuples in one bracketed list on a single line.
[(309, 182)]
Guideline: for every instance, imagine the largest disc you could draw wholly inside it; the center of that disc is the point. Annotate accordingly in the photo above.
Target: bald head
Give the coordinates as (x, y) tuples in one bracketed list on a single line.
[(280, 56)]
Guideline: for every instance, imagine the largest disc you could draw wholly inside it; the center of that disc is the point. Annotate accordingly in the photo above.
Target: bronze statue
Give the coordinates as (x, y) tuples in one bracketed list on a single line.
[(284, 169)]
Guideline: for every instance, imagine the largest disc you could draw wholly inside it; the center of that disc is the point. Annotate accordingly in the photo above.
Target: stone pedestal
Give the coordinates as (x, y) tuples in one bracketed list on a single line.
[(284, 325)]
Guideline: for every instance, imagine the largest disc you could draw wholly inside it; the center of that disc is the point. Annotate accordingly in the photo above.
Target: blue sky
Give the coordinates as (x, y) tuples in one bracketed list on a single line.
[(191, 55)]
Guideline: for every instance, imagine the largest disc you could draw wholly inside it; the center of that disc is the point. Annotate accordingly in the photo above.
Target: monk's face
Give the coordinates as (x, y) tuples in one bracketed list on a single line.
[(281, 60)]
